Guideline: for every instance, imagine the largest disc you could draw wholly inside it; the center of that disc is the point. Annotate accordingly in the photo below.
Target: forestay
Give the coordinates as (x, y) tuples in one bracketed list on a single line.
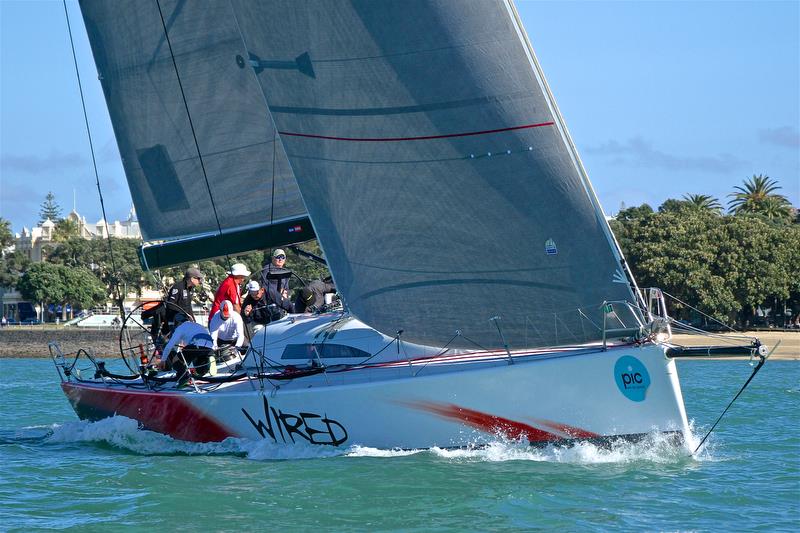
[(218, 144), (438, 174)]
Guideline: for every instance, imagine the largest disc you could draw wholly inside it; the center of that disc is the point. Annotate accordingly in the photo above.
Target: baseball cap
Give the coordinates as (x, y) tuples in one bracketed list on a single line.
[(193, 273)]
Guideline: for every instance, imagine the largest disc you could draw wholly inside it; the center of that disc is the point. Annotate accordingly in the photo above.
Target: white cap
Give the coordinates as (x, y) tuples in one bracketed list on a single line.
[(253, 286), (238, 269)]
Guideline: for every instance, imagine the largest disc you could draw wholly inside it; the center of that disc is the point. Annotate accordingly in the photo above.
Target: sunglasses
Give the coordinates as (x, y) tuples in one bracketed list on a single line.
[(280, 257)]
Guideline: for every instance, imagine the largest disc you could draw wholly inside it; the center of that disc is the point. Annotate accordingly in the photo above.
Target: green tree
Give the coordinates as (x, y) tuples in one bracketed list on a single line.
[(49, 209), (6, 237), (675, 249), (58, 284), (42, 282), (65, 230), (703, 202), (73, 252), (761, 260), (83, 289), (127, 277), (12, 265), (724, 265), (758, 196)]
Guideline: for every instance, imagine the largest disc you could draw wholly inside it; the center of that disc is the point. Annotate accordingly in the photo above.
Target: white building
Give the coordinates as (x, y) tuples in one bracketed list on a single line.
[(31, 241)]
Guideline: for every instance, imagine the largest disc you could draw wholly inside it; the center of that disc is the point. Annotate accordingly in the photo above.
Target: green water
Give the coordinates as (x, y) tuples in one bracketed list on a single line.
[(59, 473)]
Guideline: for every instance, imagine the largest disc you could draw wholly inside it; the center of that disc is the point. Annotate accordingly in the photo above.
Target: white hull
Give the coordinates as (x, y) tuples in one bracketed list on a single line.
[(459, 400)]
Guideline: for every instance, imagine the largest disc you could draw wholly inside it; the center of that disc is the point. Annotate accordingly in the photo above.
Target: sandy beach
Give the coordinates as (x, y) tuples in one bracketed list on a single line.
[(789, 348), (21, 341)]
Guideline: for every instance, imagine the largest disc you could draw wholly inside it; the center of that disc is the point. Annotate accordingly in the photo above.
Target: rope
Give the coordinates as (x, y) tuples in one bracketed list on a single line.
[(763, 359), (686, 328), (189, 117)]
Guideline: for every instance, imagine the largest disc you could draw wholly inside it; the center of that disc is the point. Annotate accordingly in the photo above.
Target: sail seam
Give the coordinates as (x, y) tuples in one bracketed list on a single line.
[(420, 138)]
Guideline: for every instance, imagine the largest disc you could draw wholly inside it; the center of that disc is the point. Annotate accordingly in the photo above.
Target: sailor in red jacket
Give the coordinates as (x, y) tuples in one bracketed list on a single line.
[(229, 289)]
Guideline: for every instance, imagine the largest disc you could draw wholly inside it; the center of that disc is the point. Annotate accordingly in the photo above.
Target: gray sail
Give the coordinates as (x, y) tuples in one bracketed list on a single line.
[(195, 136), (439, 177)]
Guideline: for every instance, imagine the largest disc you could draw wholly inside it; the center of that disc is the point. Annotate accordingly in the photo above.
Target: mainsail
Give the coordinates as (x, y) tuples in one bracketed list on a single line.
[(198, 145), (436, 169)]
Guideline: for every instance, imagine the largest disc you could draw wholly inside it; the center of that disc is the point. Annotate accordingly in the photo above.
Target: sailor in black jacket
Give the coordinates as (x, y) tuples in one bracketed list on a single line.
[(254, 306), (180, 294), (178, 300), (275, 280)]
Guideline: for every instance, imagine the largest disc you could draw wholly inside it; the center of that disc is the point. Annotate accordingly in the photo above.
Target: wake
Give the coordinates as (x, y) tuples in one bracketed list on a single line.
[(124, 434)]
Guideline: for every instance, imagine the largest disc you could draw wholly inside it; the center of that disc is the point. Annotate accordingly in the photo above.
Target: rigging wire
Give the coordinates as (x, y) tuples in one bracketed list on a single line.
[(699, 311), (262, 363), (189, 117), (196, 142), (115, 275), (762, 360), (191, 126)]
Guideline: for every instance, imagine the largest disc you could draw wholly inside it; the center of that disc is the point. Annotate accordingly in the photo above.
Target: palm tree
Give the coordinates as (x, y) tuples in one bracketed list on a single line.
[(758, 196), (703, 202), (776, 207)]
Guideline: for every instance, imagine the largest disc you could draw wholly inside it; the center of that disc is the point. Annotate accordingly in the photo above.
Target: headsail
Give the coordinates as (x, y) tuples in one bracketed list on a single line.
[(439, 177), (193, 130)]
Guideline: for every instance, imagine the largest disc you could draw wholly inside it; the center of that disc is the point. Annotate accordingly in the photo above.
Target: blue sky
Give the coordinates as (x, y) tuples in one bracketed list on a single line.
[(661, 98)]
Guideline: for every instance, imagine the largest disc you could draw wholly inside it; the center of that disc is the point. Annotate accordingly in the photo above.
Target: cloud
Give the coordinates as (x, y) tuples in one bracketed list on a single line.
[(637, 152), (19, 203), (34, 164), (784, 136)]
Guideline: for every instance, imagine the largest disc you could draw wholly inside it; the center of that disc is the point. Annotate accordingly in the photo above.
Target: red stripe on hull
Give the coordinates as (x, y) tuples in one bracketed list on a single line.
[(573, 432), (501, 426), (162, 412)]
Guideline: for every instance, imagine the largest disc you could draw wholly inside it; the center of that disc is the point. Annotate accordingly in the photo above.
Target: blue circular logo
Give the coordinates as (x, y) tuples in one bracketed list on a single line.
[(632, 378)]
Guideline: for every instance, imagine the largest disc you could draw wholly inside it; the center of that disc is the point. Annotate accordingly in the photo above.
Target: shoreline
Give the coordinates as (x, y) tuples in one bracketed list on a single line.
[(18, 342), (788, 350)]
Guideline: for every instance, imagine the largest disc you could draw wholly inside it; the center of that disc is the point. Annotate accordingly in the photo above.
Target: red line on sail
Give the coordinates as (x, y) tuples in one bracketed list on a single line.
[(422, 138)]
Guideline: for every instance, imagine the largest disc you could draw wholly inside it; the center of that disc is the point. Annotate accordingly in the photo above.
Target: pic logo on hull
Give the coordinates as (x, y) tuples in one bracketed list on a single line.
[(632, 378)]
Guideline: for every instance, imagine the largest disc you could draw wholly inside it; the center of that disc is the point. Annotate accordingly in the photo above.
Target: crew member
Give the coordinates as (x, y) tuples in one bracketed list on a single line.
[(311, 298), (226, 327), (275, 280), (180, 294), (254, 307), (229, 289), (197, 350), (178, 302)]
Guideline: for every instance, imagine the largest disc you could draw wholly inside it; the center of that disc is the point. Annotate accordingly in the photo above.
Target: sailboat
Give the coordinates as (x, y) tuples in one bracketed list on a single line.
[(483, 293)]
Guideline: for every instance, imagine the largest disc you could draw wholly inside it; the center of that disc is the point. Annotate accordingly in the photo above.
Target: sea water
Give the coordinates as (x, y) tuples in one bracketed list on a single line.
[(57, 472)]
